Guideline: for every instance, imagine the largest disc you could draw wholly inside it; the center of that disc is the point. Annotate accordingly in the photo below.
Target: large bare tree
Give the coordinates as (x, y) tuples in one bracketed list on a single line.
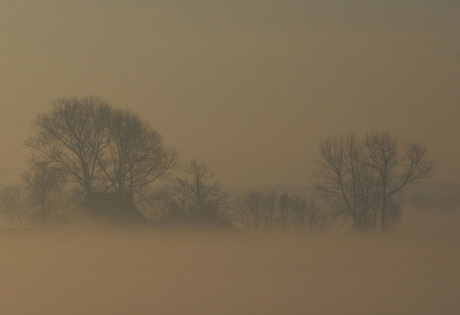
[(394, 169), (100, 148), (135, 155), (347, 180), (71, 137), (363, 176)]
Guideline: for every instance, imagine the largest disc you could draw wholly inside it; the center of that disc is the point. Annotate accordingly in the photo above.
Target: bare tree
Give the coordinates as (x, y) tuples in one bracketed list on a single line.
[(361, 176), (260, 209), (257, 210), (307, 214), (183, 199), (393, 170), (192, 197), (135, 155), (249, 210), (317, 218), (348, 181), (206, 196), (71, 137), (269, 209), (299, 212), (44, 184), (13, 206), (98, 147), (284, 206), (158, 205)]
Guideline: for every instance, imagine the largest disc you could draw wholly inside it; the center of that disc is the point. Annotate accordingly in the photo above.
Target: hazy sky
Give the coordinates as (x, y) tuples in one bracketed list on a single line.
[(251, 87)]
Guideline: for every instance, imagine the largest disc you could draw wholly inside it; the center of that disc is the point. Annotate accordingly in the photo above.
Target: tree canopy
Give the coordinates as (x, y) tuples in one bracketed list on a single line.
[(99, 147), (363, 176)]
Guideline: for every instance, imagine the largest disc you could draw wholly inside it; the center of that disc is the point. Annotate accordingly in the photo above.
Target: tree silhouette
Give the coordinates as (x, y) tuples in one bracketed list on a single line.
[(100, 148), (363, 176)]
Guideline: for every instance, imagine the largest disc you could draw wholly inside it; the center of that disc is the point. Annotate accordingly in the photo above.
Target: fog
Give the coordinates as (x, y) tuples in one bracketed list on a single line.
[(102, 270), (249, 87)]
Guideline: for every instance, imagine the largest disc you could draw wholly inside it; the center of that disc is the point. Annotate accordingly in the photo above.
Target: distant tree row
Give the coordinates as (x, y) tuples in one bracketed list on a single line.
[(270, 211), (85, 146)]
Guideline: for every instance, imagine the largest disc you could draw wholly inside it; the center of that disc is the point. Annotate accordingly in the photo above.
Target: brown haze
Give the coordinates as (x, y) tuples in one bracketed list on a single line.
[(101, 271), (251, 87)]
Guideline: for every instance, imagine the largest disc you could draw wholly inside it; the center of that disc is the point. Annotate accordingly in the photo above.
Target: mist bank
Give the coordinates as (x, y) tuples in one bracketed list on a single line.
[(110, 271)]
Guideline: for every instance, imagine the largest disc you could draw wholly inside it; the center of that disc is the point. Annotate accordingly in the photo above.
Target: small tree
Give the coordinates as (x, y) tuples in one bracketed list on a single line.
[(13, 206), (284, 206), (159, 205), (194, 196), (249, 210), (271, 211), (299, 213), (44, 185), (206, 199)]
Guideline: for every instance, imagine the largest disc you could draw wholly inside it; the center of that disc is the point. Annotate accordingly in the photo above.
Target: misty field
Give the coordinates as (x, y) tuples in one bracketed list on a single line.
[(102, 271)]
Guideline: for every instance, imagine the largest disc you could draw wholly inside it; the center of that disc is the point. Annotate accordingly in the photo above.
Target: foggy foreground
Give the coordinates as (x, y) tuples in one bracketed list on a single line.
[(101, 271)]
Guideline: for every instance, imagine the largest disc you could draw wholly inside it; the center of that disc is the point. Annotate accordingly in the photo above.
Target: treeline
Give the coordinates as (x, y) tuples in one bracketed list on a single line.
[(270, 211), (84, 146)]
